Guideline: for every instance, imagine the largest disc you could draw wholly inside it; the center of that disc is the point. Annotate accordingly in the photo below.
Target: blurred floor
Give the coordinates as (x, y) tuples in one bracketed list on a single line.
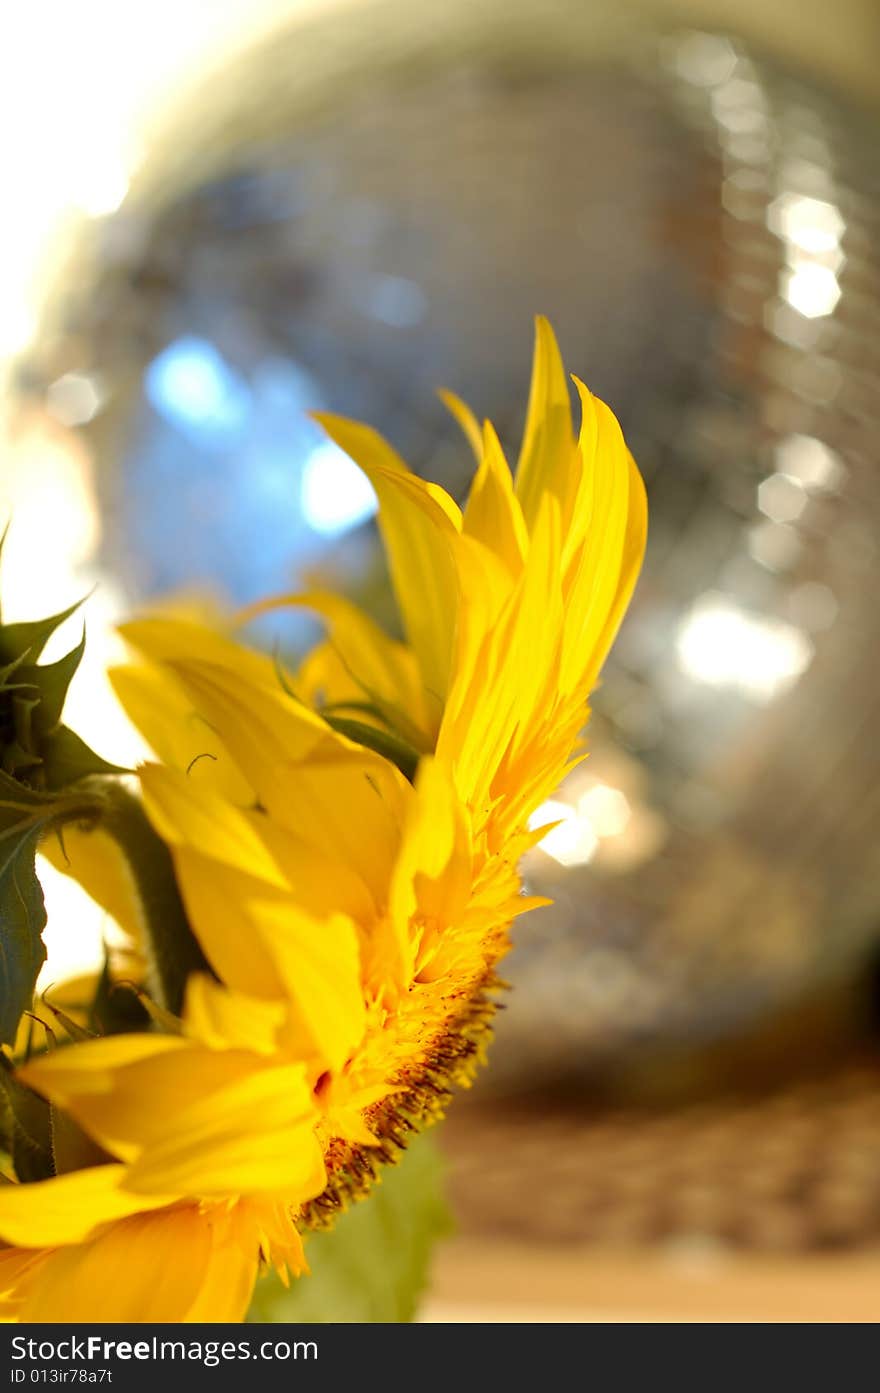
[(540, 1282), (761, 1205)]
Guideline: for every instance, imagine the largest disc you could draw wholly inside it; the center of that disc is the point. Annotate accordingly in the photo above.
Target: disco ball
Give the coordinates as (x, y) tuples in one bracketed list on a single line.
[(354, 214)]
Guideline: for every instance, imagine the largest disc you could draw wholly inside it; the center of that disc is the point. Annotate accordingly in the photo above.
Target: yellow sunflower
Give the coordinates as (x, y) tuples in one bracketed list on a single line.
[(346, 846)]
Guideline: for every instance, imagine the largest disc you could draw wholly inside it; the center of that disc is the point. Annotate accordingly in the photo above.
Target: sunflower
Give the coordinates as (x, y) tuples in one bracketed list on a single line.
[(345, 841)]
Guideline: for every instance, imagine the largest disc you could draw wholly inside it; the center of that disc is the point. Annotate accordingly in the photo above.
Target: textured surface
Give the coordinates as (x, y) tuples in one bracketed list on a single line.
[(791, 1171)]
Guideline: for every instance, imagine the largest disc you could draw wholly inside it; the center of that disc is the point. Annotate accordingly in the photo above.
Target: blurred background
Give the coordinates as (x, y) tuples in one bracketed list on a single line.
[(220, 216)]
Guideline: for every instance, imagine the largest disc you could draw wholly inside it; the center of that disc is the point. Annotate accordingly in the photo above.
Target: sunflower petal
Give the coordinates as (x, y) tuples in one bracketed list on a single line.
[(319, 963), (223, 1019), (547, 461), (186, 816), (94, 860), (67, 1208), (470, 426), (493, 514), (124, 1273), (419, 523), (155, 702)]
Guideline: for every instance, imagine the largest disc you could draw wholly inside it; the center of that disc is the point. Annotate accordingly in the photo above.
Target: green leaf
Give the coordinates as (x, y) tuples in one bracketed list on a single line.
[(372, 1266)]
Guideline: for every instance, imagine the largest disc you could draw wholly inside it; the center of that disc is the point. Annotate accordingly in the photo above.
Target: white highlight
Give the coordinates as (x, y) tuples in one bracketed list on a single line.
[(810, 224), (336, 495), (811, 289), (73, 399), (606, 809), (721, 645), (781, 498), (573, 841)]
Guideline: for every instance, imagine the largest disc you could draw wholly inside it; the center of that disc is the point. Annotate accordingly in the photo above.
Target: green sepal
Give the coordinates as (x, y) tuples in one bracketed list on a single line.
[(68, 759), (22, 909), (41, 1140), (72, 1148), (51, 681), (383, 742), (34, 746), (27, 1127), (31, 636), (72, 1028), (25, 816), (116, 1007)]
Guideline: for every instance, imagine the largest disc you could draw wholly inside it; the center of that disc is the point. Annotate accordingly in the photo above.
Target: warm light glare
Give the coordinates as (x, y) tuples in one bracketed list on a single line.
[(774, 545), (781, 498), (706, 60), (810, 224), (721, 645), (81, 85), (73, 399), (48, 494), (573, 841), (811, 289), (811, 462), (606, 809)]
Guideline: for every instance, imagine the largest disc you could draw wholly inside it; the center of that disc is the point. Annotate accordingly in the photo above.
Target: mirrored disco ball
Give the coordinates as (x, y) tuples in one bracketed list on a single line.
[(353, 214)]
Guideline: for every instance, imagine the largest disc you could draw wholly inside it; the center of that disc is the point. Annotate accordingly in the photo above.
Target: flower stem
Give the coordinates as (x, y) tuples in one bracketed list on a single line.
[(173, 951)]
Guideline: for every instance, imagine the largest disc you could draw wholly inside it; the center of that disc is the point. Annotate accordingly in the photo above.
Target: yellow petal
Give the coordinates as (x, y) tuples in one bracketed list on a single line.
[(150, 1267), (347, 813), (187, 816), (493, 514), (329, 791), (263, 728), (154, 701), (66, 1208), (227, 860), (418, 522), (218, 901), (188, 1094), (252, 1131), (630, 566), (350, 805), (377, 668), (434, 874), (89, 1065), (505, 697), (227, 1283), (547, 461), (319, 963), (167, 640), (19, 1268), (466, 419), (224, 1019), (289, 1158), (596, 578), (94, 860)]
